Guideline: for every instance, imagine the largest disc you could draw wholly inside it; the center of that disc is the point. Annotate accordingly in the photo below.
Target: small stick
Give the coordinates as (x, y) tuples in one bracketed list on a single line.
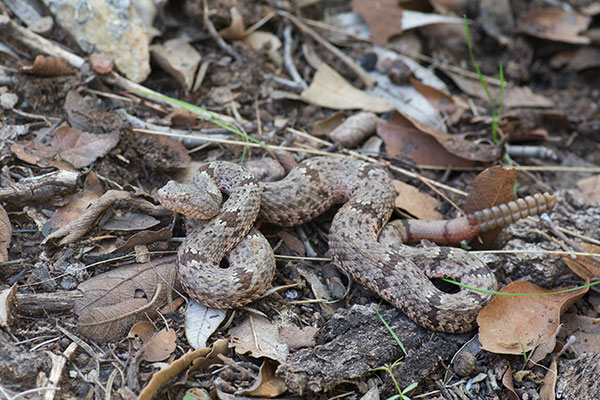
[(58, 364), (37, 42), (212, 31), (287, 56), (363, 75)]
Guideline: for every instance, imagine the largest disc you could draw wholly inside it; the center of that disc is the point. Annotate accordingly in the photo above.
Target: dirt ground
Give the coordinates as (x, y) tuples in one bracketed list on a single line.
[(87, 251)]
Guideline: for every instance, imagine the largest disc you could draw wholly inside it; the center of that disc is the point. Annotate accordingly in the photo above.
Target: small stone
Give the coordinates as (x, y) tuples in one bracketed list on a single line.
[(8, 100)]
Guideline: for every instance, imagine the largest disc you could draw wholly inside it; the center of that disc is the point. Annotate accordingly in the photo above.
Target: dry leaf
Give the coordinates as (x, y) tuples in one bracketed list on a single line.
[(182, 118), (558, 25), (5, 234), (202, 357), (442, 100), (259, 337), (130, 221), (415, 202), (515, 128), (514, 97), (76, 206), (160, 346), (236, 30), (322, 127), (201, 322), (509, 322), (384, 18), (7, 304), (584, 58), (548, 389), (297, 338), (292, 243), (81, 149), (491, 187), (585, 329), (584, 266), (543, 350), (49, 66), (78, 148), (116, 299), (144, 237), (179, 59), (507, 381), (408, 138), (140, 333), (588, 190), (330, 89), (267, 384)]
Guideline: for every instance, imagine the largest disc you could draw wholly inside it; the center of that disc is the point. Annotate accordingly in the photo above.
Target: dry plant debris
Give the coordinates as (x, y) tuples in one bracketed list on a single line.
[(86, 139)]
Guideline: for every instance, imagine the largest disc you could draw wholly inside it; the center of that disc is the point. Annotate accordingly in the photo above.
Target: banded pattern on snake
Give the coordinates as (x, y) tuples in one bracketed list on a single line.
[(375, 257)]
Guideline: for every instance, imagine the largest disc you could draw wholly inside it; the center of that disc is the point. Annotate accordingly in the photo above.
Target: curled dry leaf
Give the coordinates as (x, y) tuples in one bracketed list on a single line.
[(507, 381), (116, 299), (5, 234), (140, 333), (79, 226), (491, 187), (236, 30), (7, 304), (513, 324), (202, 358), (329, 89), (267, 384), (548, 389)]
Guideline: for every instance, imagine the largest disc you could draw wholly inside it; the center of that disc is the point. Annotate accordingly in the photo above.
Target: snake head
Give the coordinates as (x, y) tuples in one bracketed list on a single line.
[(190, 200)]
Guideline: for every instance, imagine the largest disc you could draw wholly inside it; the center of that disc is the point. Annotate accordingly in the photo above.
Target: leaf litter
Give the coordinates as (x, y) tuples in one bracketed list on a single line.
[(96, 138)]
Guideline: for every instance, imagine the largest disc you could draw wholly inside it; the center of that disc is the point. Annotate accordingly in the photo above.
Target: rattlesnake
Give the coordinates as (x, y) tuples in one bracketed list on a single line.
[(398, 273)]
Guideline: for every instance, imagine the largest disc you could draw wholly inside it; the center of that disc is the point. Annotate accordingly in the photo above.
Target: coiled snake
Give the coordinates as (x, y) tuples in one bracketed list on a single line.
[(398, 273)]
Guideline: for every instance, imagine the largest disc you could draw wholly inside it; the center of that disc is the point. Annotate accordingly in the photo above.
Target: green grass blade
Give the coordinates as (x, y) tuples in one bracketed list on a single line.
[(519, 294), (396, 338)]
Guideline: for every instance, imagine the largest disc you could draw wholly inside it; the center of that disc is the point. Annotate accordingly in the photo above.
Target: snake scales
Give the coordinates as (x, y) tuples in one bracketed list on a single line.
[(398, 273)]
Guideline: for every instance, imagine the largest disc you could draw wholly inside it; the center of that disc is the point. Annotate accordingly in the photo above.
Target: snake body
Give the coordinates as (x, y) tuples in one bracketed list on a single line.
[(398, 273)]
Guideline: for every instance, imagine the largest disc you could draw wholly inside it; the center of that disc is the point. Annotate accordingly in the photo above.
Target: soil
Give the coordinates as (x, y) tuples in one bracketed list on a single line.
[(347, 353)]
